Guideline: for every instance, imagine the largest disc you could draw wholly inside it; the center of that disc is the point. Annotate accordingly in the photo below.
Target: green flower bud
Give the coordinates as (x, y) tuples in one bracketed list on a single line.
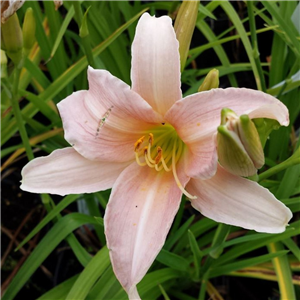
[(264, 127), (12, 39), (29, 29), (84, 30), (239, 147), (3, 59), (211, 81), (184, 27)]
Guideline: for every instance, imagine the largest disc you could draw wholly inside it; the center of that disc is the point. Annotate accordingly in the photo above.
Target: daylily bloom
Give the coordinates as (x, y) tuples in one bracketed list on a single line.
[(151, 146)]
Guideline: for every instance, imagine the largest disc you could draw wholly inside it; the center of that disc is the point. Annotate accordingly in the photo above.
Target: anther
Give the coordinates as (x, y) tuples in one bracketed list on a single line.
[(151, 139), (158, 156), (145, 150), (138, 143)]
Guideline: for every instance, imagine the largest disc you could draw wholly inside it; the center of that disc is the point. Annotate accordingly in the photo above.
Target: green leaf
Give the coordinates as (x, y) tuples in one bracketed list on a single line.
[(232, 14), (204, 12), (106, 283), (286, 24), (61, 291), (181, 231), (89, 275), (209, 34), (173, 261), (50, 216), (197, 253), (153, 279), (237, 251), (62, 30), (56, 234), (291, 245), (218, 271)]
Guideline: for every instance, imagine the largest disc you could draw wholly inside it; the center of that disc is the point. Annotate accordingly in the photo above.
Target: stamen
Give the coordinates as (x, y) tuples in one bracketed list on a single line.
[(149, 149), (164, 164), (138, 143), (174, 160), (158, 159), (151, 139), (146, 153), (158, 156), (157, 168), (138, 160)]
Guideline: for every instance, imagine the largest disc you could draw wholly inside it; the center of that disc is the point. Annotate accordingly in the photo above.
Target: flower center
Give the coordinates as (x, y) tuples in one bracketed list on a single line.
[(161, 150)]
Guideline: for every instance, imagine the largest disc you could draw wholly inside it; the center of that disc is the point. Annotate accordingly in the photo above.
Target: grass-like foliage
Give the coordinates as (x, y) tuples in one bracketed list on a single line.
[(253, 44)]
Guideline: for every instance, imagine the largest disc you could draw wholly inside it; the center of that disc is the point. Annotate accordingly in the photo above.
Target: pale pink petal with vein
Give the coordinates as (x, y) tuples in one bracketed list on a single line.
[(104, 122), (197, 117), (155, 71), (65, 171), (138, 217), (231, 199)]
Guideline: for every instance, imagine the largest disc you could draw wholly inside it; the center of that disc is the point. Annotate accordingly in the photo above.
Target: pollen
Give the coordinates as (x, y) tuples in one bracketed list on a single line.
[(138, 143)]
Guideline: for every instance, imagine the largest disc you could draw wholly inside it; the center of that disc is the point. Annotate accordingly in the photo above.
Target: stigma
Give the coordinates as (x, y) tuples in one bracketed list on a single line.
[(162, 154)]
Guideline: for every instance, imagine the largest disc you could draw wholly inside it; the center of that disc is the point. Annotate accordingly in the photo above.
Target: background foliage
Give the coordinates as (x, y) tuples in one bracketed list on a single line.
[(252, 44)]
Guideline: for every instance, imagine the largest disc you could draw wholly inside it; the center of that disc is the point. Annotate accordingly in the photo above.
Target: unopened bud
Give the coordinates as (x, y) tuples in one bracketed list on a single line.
[(184, 27), (12, 39), (3, 59), (29, 29), (264, 127), (84, 30), (211, 81), (239, 148)]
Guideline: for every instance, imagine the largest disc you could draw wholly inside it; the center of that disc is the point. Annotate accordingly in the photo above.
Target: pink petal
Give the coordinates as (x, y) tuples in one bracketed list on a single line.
[(197, 117), (155, 71), (138, 217), (230, 199), (201, 159), (126, 116), (65, 171)]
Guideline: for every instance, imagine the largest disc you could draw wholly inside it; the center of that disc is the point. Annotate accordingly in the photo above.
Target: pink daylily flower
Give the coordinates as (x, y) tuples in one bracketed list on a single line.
[(151, 146)]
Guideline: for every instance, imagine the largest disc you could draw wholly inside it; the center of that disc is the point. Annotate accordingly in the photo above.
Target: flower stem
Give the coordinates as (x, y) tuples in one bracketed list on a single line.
[(17, 113), (203, 289), (291, 161)]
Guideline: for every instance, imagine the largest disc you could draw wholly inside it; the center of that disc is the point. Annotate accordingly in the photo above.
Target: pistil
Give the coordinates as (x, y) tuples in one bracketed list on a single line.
[(174, 159)]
